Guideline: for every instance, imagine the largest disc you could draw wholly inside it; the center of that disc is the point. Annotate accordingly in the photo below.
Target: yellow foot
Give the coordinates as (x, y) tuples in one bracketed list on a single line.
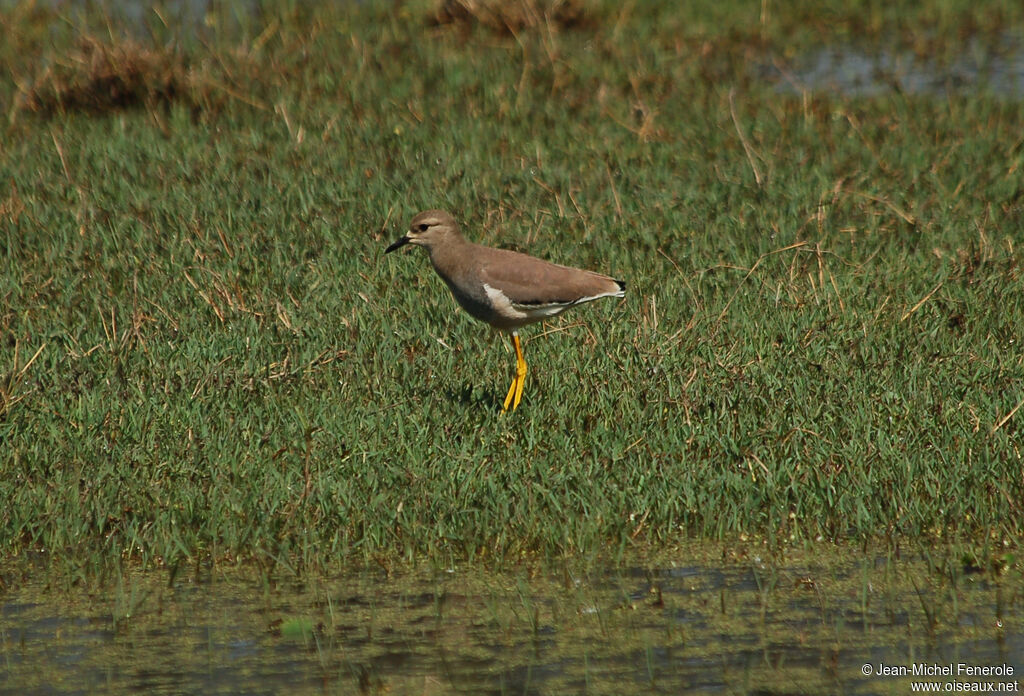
[(515, 391)]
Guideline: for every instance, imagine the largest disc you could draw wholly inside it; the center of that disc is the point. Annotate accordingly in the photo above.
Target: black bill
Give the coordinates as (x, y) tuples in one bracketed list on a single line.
[(398, 244)]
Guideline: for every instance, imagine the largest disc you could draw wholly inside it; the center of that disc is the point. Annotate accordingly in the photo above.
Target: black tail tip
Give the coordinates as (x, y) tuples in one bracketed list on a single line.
[(621, 284)]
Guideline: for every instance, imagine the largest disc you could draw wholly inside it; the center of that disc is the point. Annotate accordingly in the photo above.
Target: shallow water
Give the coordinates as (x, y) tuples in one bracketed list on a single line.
[(731, 628), (992, 65)]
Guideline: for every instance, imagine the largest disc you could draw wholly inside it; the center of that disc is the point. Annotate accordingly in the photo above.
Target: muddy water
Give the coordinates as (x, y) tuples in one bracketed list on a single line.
[(743, 626)]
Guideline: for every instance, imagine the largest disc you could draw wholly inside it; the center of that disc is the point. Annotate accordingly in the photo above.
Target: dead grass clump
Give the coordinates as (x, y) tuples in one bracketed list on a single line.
[(97, 77), (511, 16)]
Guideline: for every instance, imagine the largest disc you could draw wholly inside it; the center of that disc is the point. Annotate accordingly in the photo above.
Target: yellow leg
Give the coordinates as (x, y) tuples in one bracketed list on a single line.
[(515, 392)]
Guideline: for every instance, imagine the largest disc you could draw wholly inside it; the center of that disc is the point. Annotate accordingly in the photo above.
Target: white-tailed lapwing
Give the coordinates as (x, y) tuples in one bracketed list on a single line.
[(503, 288)]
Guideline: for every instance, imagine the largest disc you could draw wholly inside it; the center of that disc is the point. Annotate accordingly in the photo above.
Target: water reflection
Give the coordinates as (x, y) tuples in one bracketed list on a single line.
[(693, 628)]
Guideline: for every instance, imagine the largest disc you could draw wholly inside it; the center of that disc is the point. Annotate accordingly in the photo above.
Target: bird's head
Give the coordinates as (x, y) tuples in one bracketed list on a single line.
[(429, 228)]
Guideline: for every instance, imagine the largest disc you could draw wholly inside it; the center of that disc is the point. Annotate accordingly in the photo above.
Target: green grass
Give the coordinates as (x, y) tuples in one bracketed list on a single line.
[(821, 337)]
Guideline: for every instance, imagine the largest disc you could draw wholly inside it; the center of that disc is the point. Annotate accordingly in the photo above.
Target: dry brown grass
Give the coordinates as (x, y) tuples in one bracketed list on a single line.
[(98, 76), (511, 16)]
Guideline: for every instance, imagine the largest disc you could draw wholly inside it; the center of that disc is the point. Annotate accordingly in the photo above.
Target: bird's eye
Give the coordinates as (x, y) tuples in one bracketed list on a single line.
[(423, 227)]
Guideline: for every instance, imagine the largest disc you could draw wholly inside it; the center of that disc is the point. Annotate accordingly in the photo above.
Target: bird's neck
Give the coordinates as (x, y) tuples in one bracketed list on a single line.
[(446, 256)]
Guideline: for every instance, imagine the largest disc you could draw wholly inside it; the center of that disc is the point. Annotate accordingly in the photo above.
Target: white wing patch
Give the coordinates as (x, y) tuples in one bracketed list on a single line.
[(502, 305), (617, 293), (508, 309), (511, 311)]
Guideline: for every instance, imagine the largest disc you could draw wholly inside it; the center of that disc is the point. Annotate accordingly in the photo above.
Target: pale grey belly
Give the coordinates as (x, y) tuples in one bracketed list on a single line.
[(478, 305)]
